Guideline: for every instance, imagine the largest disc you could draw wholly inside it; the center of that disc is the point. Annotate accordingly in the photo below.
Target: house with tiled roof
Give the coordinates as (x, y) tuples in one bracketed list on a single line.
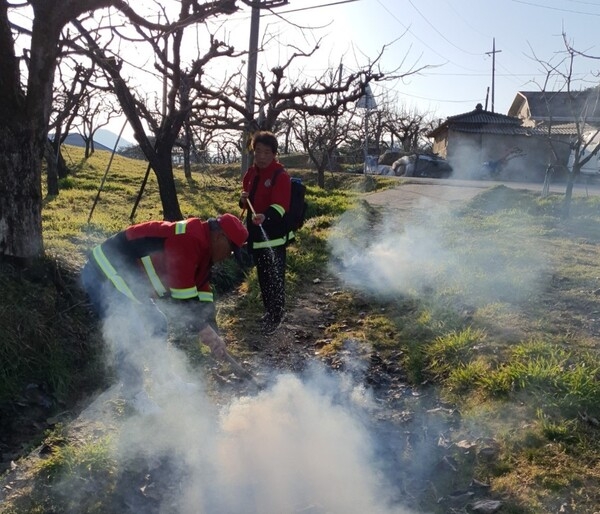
[(473, 138), (561, 116), (556, 108), (542, 125)]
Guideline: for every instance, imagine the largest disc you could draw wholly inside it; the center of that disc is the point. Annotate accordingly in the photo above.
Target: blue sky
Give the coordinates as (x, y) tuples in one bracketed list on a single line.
[(455, 38)]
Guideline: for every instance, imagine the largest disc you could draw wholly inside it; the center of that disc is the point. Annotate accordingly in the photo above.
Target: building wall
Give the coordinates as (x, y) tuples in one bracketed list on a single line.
[(440, 144), (467, 152)]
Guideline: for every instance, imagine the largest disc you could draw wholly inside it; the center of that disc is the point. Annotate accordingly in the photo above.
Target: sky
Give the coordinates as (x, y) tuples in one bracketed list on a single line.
[(454, 39), (451, 41)]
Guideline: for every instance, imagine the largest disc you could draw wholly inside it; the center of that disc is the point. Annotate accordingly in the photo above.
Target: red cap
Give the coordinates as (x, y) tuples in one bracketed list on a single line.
[(233, 228)]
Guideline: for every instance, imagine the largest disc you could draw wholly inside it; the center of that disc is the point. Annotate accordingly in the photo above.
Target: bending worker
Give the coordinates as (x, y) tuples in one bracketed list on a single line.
[(157, 272)]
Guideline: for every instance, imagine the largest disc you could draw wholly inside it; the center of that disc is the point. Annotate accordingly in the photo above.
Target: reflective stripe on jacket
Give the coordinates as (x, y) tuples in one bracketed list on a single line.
[(174, 256), (269, 197), (111, 273)]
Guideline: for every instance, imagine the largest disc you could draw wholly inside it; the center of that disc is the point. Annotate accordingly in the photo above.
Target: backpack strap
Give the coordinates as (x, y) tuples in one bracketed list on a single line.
[(278, 172), (253, 188)]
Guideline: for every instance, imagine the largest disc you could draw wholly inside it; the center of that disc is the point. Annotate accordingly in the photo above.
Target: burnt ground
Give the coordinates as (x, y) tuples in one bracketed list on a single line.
[(411, 424), (399, 422), (408, 421)]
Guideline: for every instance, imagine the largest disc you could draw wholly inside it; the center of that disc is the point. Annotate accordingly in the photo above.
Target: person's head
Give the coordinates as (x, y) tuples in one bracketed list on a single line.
[(227, 235), (264, 146)]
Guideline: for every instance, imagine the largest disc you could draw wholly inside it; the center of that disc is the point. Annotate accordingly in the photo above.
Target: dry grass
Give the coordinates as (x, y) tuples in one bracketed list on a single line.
[(509, 340)]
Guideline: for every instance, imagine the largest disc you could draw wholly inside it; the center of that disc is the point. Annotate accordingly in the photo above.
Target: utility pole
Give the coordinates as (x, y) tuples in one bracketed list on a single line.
[(257, 5), (368, 103), (493, 52), (165, 81)]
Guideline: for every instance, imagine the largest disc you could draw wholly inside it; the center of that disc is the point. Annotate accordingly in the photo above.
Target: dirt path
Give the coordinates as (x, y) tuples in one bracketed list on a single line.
[(407, 196), (424, 192)]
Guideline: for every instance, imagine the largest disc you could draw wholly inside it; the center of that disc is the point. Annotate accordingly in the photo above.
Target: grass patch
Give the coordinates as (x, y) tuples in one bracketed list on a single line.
[(502, 324)]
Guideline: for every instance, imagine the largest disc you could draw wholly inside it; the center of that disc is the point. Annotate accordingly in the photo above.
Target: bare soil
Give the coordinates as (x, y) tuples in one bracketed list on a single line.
[(298, 341)]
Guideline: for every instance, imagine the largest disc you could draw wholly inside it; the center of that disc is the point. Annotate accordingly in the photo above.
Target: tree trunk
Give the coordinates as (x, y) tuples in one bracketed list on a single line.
[(61, 165), (51, 169), (187, 167), (20, 194), (321, 177), (566, 211), (163, 169)]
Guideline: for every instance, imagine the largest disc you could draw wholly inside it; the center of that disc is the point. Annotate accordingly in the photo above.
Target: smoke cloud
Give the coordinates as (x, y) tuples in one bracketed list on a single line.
[(430, 250), (303, 445)]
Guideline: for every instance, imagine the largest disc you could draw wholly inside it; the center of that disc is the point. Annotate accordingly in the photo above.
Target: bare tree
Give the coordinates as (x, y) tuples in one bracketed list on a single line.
[(71, 86), (405, 125), (30, 44), (321, 136), (280, 93), (582, 144), (166, 124), (96, 110)]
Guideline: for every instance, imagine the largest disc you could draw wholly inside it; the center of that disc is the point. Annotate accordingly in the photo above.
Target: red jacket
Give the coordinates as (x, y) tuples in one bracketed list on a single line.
[(162, 259), (269, 192)]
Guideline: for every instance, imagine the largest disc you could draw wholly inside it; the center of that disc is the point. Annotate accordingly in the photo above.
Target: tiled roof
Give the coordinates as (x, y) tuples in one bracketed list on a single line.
[(479, 116), (565, 129), (480, 120), (559, 106), (505, 130)]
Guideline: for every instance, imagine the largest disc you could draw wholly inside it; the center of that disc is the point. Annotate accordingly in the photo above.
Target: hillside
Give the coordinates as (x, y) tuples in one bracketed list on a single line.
[(431, 361)]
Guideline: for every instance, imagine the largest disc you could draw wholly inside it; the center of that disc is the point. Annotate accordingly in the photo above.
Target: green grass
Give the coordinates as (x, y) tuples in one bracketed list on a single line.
[(503, 331), (506, 336), (95, 203)]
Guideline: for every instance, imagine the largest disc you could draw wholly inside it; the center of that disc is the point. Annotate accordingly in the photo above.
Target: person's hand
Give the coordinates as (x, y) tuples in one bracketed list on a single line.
[(218, 349), (258, 219), (243, 198), (216, 344)]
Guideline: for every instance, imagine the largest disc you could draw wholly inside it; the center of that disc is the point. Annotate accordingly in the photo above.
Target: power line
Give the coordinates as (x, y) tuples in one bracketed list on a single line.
[(314, 7), (407, 28), (425, 73), (555, 8), (401, 92), (438, 32)]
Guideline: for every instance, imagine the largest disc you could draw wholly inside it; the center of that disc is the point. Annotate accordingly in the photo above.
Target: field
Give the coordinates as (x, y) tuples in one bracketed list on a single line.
[(444, 361)]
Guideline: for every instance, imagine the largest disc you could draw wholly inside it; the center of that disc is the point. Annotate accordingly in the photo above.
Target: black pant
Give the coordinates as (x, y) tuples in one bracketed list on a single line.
[(270, 267)]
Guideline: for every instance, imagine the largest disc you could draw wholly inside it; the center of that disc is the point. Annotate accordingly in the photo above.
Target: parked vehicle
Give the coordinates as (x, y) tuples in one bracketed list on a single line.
[(422, 165), (590, 142)]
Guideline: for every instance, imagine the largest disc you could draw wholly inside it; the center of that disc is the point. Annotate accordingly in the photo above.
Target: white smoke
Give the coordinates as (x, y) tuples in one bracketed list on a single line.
[(430, 250), (303, 445)]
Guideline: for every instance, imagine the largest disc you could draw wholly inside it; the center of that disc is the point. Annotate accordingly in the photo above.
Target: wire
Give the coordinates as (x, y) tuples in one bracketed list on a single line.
[(407, 28), (439, 33), (315, 7), (555, 8)]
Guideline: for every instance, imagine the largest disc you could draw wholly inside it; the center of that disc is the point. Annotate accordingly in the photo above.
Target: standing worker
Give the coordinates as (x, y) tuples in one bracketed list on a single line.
[(266, 193), (159, 263)]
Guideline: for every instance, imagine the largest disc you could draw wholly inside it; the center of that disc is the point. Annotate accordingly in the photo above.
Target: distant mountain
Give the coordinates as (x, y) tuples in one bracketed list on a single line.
[(103, 140), (109, 138), (77, 140)]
